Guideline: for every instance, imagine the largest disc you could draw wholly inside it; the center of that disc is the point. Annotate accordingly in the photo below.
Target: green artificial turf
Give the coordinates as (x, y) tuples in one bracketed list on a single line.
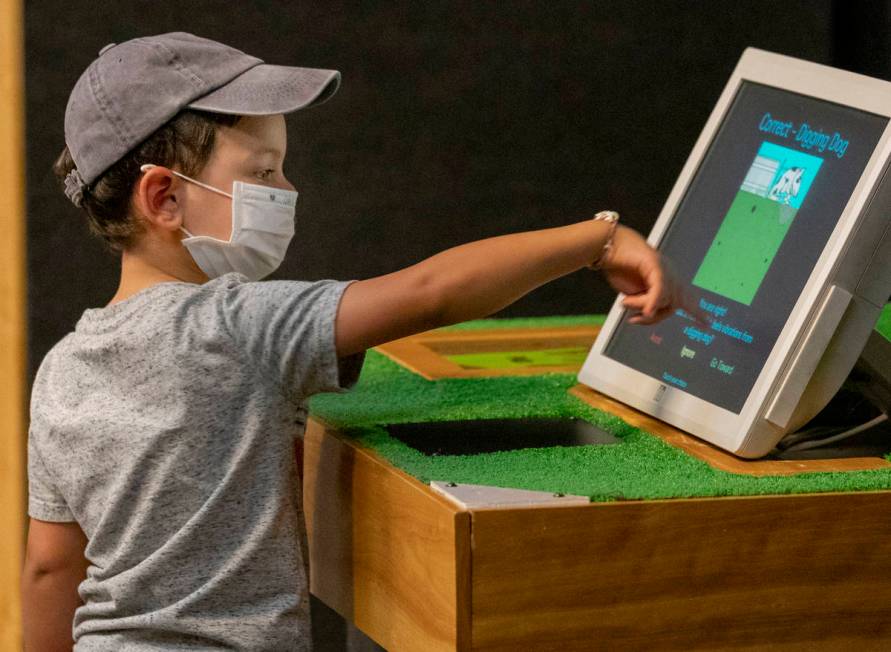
[(641, 466)]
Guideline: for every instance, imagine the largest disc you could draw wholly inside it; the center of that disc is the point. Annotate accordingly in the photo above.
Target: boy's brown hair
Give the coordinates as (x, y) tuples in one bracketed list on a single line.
[(185, 143)]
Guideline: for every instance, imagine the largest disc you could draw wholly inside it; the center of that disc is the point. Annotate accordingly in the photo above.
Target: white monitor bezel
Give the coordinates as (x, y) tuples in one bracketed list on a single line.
[(697, 416)]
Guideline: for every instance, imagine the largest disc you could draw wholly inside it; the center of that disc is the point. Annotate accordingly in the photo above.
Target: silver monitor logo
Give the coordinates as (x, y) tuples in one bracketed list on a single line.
[(659, 393)]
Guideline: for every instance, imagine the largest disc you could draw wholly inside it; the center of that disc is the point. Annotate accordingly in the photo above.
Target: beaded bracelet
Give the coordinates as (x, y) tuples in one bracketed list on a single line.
[(613, 218)]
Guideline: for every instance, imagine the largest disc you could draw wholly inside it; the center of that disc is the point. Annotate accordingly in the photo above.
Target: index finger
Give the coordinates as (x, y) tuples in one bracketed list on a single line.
[(692, 308), (658, 282)]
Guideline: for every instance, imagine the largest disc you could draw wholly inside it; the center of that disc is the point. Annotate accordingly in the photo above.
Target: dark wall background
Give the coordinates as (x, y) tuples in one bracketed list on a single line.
[(455, 121)]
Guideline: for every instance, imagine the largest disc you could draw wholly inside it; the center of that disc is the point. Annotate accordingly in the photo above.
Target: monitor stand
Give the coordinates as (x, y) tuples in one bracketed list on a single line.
[(865, 394), (871, 375)]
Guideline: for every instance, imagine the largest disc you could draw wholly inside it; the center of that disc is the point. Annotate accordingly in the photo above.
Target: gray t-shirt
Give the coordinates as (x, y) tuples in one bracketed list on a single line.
[(165, 426)]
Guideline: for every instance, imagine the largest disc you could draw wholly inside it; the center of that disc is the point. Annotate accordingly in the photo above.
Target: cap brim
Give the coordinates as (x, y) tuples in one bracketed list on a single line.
[(266, 89)]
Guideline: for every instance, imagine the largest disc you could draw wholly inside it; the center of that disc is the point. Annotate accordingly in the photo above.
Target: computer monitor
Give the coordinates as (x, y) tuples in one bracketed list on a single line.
[(779, 227)]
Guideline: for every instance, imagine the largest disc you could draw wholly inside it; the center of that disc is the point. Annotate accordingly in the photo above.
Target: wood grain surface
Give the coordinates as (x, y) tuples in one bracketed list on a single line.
[(13, 322), (787, 572), (806, 572), (385, 551)]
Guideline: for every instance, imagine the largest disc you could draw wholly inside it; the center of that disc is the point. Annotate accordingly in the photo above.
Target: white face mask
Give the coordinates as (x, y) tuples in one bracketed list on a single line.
[(262, 228)]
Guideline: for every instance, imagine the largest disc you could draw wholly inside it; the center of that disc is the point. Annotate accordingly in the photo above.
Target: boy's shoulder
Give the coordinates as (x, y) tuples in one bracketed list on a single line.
[(50, 359)]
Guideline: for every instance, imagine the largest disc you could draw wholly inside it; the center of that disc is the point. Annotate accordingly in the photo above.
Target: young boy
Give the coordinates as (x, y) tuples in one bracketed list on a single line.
[(164, 497)]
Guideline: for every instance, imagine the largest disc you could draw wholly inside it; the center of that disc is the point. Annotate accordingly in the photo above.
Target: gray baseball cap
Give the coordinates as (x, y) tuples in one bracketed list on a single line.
[(135, 87)]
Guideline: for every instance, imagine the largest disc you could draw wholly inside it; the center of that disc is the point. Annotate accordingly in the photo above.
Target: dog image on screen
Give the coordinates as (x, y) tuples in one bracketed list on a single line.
[(787, 186), (757, 222)]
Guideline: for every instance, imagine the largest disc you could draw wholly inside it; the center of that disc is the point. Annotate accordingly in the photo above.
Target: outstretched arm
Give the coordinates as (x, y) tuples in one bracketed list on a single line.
[(477, 279)]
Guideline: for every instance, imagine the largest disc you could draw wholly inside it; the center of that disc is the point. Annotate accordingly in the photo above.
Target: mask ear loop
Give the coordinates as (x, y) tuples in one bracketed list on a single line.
[(148, 166)]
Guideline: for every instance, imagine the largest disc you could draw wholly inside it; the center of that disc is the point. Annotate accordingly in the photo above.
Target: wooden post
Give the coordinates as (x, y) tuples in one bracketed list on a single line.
[(13, 322)]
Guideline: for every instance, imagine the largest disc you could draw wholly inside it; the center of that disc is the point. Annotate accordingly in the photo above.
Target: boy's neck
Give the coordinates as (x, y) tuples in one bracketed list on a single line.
[(140, 270)]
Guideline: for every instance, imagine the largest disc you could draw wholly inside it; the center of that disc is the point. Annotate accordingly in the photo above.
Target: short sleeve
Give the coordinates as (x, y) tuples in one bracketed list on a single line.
[(287, 329), (45, 502)]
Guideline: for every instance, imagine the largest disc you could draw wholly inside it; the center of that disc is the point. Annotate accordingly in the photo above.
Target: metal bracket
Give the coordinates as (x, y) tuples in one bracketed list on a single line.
[(475, 496)]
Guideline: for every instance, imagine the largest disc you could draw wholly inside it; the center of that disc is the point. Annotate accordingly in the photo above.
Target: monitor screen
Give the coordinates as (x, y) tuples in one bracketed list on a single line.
[(746, 235)]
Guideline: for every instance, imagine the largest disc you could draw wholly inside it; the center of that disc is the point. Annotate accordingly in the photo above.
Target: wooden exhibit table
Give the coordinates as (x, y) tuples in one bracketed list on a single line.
[(418, 571)]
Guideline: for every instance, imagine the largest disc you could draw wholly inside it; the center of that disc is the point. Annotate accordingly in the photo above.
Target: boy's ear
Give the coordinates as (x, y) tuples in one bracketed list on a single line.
[(155, 197)]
